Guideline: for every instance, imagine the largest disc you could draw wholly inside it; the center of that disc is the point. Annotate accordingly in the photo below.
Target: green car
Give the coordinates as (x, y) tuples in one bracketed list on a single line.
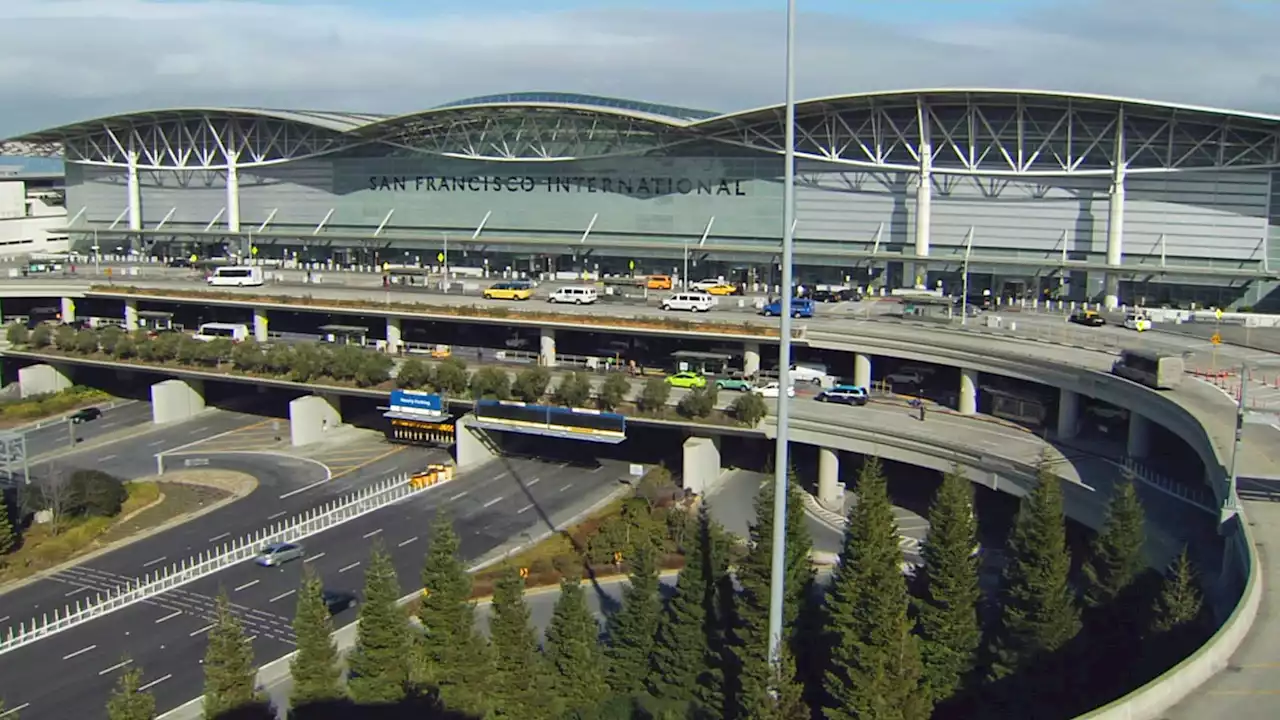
[(734, 383), (686, 380)]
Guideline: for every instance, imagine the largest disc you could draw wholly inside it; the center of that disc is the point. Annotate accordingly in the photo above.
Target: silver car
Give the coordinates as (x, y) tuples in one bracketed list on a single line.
[(278, 554)]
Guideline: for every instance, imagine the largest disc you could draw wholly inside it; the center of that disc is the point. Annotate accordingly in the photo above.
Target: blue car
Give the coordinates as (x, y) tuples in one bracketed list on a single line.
[(800, 308)]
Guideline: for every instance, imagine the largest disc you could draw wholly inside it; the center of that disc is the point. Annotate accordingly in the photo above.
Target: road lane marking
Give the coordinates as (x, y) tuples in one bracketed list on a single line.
[(14, 711), (282, 596), (6, 617), (251, 638), (593, 472), (352, 565), (153, 683), (525, 509), (153, 444), (81, 651), (204, 629), (401, 544), (77, 591), (533, 482), (247, 585), (170, 616), (105, 458), (216, 538), (119, 665), (305, 488), (372, 533), (273, 517), (315, 557), (494, 501), (455, 497), (157, 561), (566, 487)]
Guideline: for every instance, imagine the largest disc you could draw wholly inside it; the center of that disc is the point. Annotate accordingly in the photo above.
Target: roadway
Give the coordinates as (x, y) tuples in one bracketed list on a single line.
[(71, 674), (51, 436)]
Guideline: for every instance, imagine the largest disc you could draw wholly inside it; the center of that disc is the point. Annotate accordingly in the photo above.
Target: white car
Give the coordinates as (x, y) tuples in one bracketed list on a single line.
[(770, 390), (905, 377), (705, 284), (1134, 321)]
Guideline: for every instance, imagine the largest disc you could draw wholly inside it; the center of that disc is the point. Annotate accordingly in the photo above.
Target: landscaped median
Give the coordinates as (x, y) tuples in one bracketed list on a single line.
[(349, 366), (39, 407), (429, 311)]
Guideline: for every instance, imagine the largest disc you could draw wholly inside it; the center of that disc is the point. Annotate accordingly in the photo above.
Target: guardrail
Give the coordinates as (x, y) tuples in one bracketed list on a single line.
[(309, 523), (1199, 497)]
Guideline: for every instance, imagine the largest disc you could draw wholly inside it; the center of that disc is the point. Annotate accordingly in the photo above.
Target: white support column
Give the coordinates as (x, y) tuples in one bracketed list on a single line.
[(1068, 414), (862, 370), (829, 495), (547, 347), (68, 310), (233, 196), (924, 198), (134, 189), (968, 400), (1139, 445), (1115, 217), (395, 339), (260, 332), (750, 358), (130, 315)]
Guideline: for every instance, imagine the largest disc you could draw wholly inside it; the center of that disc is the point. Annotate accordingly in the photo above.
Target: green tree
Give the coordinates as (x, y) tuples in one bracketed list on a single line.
[(374, 369), (632, 628), (1038, 611), (7, 536), (654, 395), (574, 391), (519, 686), (613, 392), (109, 338), (64, 338), (491, 383), (1179, 603), (874, 669), (316, 675), (127, 702), (451, 377), (698, 403), (16, 334), (452, 657), (125, 348), (86, 342), (950, 633), (1115, 558), (751, 641), (414, 374), (531, 384), (41, 336), (749, 409), (379, 662), (785, 700), (249, 356), (229, 669), (573, 650), (688, 666)]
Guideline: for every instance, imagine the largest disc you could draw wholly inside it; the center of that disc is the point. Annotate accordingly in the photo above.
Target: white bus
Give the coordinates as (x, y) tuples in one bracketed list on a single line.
[(235, 332), (1162, 372), (238, 276)]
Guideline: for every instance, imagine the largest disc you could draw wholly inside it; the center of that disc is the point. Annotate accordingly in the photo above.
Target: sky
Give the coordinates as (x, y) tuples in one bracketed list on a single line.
[(68, 60)]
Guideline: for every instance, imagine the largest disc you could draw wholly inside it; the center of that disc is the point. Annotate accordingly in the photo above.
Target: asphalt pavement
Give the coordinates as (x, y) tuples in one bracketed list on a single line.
[(57, 436), (71, 674)]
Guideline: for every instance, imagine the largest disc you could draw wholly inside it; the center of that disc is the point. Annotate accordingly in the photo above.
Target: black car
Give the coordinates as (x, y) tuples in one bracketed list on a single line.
[(338, 601), (85, 415), (831, 295), (1089, 318)]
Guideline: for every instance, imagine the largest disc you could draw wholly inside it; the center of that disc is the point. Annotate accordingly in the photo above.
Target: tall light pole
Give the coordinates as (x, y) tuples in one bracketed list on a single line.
[(782, 462)]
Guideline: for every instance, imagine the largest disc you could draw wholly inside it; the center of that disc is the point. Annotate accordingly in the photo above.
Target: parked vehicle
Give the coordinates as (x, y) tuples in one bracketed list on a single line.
[(575, 295), (235, 332), (1088, 318), (690, 301), (659, 282), (703, 285), (844, 395), (809, 372), (800, 308), (687, 379), (237, 276), (277, 554), (85, 415), (1138, 322), (509, 291), (835, 294), (905, 377), (721, 290), (771, 390), (736, 383)]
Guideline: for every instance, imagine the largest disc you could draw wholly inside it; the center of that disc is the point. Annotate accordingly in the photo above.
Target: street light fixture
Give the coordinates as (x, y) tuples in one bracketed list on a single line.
[(781, 452)]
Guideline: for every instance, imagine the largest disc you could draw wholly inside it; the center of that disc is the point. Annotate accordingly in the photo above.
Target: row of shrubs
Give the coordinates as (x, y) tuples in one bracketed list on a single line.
[(44, 405), (366, 368)]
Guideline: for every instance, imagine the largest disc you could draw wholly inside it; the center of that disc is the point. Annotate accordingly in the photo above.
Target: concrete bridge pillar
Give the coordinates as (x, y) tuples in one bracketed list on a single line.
[(473, 446), (1139, 445), (862, 370), (395, 339), (547, 347), (311, 417), (68, 310), (176, 400), (830, 493), (750, 358), (968, 398), (1068, 414), (42, 380), (701, 464), (130, 315), (260, 332)]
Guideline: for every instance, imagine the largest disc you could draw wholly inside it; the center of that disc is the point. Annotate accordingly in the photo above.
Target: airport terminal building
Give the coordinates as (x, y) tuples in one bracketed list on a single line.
[(1033, 193)]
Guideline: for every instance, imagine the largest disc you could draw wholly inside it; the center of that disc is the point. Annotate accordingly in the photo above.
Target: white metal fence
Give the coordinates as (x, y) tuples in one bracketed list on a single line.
[(1200, 496), (311, 522)]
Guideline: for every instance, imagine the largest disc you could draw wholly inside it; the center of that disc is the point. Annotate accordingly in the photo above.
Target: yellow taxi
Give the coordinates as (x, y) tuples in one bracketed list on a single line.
[(509, 291), (721, 290)]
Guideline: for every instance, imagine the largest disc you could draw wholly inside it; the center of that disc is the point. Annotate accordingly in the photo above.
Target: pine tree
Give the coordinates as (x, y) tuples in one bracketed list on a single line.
[(229, 669), (573, 650), (452, 655), (7, 538), (1116, 557), (315, 671), (379, 662), (519, 684), (786, 694), (632, 628), (1038, 611), (950, 634), (751, 641), (1179, 602), (683, 654), (875, 669), (127, 702)]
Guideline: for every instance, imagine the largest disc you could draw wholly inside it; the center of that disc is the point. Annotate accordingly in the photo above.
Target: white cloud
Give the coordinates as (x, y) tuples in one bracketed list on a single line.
[(62, 60)]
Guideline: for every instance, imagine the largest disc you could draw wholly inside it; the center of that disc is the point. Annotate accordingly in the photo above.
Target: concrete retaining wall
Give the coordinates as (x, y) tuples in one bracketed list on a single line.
[(176, 400), (701, 464), (41, 380)]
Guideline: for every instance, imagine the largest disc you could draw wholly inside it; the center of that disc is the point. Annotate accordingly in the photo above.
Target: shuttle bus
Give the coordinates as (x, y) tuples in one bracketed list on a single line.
[(235, 332), (236, 276), (1162, 372)]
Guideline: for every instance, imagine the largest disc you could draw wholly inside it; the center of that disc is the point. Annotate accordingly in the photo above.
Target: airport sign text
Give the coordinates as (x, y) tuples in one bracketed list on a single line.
[(634, 187)]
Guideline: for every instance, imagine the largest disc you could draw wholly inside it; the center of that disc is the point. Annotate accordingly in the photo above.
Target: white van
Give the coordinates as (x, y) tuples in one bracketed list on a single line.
[(576, 295), (237, 276), (691, 301), (809, 372), (235, 332)]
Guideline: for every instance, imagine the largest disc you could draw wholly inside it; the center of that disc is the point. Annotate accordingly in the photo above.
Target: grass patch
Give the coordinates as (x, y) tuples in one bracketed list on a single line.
[(37, 407)]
